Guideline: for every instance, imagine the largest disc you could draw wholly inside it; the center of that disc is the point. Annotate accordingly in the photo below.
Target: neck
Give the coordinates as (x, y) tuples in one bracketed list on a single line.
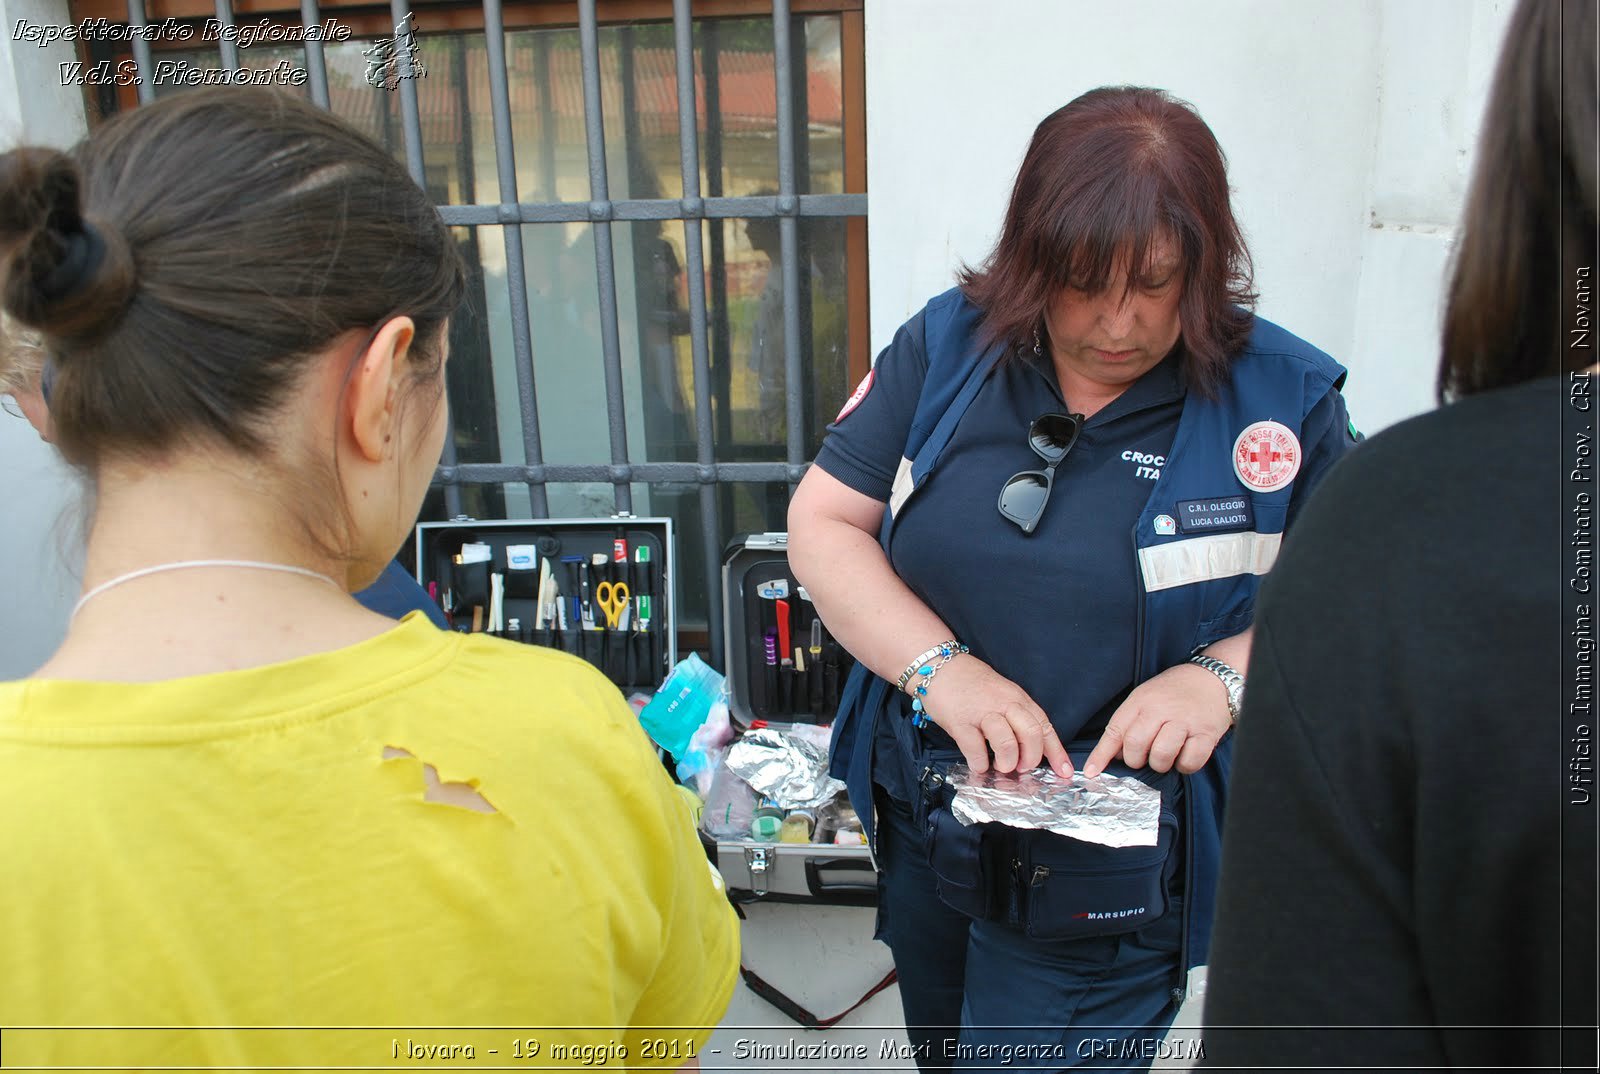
[(202, 508), (1084, 396), (187, 622)]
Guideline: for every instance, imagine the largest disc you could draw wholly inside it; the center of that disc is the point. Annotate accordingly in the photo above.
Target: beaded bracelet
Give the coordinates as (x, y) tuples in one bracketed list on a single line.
[(923, 658), (945, 653)]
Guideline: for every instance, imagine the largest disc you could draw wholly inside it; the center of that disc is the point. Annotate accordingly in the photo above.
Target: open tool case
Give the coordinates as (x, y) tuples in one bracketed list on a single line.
[(619, 569), (769, 681)]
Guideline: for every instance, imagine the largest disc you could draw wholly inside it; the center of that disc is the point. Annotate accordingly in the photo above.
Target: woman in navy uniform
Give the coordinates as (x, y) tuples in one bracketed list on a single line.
[(1040, 523)]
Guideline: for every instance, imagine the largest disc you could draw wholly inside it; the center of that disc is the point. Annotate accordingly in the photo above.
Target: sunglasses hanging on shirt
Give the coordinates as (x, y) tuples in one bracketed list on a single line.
[(1024, 495)]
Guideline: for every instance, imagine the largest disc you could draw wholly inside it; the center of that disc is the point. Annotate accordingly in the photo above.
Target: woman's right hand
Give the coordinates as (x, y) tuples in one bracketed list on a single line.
[(834, 552), (984, 711)]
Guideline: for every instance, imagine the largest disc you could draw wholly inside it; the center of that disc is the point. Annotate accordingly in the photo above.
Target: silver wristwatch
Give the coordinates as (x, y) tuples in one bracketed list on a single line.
[(1230, 679)]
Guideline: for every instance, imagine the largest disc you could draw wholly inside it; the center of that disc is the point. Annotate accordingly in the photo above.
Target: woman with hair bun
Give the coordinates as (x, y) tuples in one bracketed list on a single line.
[(251, 801)]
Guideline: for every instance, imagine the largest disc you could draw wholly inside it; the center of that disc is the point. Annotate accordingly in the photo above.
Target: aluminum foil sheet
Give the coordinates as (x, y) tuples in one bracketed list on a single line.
[(790, 766), (1114, 811)]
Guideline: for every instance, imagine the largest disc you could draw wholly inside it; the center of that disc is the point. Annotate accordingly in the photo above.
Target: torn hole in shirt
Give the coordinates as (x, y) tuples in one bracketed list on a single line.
[(463, 795)]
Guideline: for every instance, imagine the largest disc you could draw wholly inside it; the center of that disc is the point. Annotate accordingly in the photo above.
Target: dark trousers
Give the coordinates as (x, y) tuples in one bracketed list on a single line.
[(981, 995)]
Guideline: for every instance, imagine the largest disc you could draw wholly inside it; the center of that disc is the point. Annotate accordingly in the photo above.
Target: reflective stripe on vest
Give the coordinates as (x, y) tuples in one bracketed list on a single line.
[(1208, 558)]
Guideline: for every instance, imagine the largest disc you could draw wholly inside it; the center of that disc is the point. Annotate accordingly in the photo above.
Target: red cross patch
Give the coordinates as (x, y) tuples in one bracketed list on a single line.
[(860, 393), (1266, 456)]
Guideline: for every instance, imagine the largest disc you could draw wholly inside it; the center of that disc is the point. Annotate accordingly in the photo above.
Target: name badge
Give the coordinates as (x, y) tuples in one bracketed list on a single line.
[(1218, 514)]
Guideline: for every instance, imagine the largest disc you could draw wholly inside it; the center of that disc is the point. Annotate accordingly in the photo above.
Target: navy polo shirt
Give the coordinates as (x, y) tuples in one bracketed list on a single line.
[(396, 593), (1055, 611)]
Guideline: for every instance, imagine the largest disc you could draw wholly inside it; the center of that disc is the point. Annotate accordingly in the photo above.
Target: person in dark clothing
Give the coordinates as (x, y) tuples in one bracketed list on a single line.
[(1401, 855)]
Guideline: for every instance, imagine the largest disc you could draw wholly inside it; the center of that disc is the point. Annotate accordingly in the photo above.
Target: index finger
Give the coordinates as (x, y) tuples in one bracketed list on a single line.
[(1105, 751), (1055, 752)]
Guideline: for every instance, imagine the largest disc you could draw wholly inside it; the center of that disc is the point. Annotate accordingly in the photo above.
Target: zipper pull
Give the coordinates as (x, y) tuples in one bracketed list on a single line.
[(1040, 874)]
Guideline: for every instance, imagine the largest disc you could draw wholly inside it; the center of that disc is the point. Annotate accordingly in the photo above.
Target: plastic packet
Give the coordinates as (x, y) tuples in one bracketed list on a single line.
[(698, 769), (730, 806), (682, 704)]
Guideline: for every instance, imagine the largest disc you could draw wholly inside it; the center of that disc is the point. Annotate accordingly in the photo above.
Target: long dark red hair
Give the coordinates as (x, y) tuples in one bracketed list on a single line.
[(1111, 174)]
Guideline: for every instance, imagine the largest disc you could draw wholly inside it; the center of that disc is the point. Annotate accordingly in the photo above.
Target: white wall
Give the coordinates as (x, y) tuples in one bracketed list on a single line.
[(32, 99), (1429, 113), (1348, 128), (37, 537)]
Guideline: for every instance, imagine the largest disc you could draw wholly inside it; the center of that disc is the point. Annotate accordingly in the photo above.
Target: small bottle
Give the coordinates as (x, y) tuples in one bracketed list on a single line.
[(767, 821), (797, 826)]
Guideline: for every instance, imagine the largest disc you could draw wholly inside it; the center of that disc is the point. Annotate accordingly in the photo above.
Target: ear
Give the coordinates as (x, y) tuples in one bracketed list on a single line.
[(34, 408), (373, 390)]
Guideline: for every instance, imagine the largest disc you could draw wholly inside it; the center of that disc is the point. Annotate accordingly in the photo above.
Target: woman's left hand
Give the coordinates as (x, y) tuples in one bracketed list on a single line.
[(1177, 716)]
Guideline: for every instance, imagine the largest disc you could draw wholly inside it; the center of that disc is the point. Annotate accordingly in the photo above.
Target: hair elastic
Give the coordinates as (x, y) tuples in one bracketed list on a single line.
[(83, 250)]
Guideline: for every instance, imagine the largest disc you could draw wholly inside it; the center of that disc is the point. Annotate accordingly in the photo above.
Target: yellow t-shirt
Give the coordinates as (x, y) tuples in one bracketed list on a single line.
[(233, 850)]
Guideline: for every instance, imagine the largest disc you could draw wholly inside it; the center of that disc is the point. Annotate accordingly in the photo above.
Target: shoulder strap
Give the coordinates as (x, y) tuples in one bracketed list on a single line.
[(956, 372), (967, 378), (950, 329)]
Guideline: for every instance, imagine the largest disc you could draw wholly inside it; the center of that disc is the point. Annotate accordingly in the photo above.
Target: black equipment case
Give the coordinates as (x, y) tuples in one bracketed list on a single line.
[(633, 638)]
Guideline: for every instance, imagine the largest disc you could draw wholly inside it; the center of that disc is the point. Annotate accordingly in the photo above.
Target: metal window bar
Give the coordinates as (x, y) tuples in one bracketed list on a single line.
[(516, 269), (604, 264), (228, 47), (410, 114), (600, 211), (565, 212), (141, 52), (721, 330), (704, 441), (316, 64), (788, 234), (411, 133)]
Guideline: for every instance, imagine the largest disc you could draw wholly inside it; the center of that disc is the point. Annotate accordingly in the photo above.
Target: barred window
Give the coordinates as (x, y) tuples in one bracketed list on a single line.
[(669, 282)]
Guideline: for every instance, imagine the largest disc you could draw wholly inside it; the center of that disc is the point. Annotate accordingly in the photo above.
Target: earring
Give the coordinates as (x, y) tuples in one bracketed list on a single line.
[(1038, 344)]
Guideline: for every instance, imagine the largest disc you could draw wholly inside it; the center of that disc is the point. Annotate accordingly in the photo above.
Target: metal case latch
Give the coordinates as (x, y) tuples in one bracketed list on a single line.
[(756, 860)]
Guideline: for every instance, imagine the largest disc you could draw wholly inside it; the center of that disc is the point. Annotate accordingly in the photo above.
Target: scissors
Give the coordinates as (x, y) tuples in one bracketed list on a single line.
[(613, 600)]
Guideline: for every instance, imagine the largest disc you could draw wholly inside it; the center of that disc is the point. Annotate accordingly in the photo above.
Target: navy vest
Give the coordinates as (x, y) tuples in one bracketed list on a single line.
[(1195, 589)]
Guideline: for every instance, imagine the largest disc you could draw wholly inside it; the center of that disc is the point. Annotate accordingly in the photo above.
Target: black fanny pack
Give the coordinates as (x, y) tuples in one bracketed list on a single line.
[(1051, 886)]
